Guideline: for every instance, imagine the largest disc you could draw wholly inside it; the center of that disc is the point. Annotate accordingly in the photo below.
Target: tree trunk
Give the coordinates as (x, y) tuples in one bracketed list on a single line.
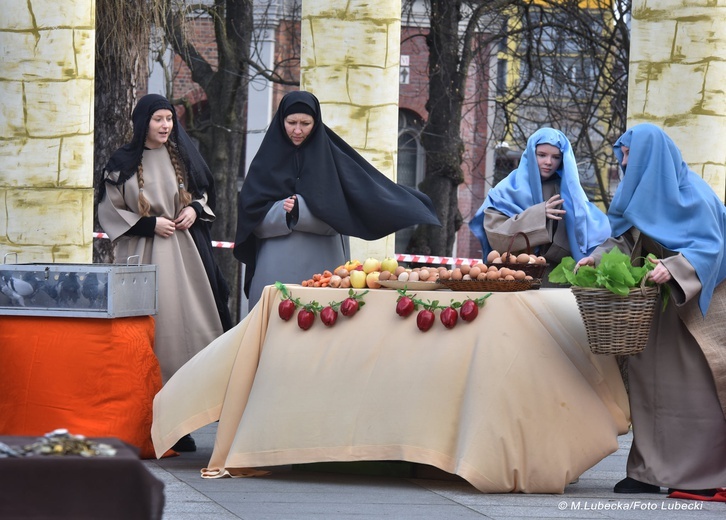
[(122, 36), (441, 136), (222, 140)]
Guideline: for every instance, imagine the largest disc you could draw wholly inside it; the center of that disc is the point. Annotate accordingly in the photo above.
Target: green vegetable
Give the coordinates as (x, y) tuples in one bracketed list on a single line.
[(615, 272)]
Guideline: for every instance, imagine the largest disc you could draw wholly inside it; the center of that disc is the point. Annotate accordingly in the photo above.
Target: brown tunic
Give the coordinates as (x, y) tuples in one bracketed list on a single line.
[(187, 319), (547, 234), (679, 426)]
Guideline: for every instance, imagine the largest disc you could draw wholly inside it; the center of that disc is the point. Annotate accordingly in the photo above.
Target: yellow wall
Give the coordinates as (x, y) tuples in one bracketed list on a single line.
[(350, 59), (46, 130)]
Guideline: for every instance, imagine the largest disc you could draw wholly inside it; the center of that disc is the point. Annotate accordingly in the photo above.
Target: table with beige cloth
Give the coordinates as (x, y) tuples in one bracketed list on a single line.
[(513, 401)]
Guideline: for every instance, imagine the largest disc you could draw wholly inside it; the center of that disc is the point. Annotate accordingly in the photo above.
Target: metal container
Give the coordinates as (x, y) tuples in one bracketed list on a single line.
[(78, 290)]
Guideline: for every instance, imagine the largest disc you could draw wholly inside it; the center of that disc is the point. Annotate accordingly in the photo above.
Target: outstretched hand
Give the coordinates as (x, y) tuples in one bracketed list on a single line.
[(553, 210), (588, 260), (660, 274)]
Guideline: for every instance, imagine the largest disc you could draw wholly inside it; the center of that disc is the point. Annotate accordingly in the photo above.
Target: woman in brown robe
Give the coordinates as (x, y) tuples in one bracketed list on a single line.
[(156, 202), (678, 382)]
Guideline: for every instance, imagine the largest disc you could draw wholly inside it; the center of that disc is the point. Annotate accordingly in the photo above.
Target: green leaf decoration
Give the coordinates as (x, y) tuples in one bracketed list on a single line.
[(615, 272)]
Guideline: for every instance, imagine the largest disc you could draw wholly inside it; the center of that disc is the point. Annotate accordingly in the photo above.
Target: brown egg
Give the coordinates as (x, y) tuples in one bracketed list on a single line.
[(482, 276), (504, 271), (385, 275), (456, 274), (424, 275), (509, 278), (541, 260), (445, 274), (474, 272), (399, 270), (492, 255), (492, 269), (464, 268), (497, 260), (519, 275), (528, 278), (523, 258), (492, 275)]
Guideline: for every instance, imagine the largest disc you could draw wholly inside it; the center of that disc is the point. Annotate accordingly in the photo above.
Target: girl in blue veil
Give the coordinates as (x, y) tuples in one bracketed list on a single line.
[(542, 198)]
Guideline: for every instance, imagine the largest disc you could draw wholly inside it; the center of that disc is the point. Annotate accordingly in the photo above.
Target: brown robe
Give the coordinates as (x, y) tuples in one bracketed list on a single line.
[(547, 234), (187, 319), (678, 382)]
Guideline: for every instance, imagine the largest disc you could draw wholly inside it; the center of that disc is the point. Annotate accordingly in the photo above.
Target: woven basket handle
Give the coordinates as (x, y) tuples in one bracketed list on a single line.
[(643, 287), (511, 243)]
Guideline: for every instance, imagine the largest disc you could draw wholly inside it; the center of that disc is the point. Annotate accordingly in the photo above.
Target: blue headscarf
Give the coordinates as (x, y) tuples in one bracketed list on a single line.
[(587, 226), (660, 196)]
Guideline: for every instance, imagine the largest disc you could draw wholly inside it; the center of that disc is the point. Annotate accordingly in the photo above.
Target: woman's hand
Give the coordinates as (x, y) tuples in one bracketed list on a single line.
[(660, 274), (186, 218), (552, 207), (289, 203), (588, 260), (164, 227)]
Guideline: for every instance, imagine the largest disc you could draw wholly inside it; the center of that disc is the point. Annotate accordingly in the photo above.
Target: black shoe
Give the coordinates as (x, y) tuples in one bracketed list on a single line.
[(630, 485), (700, 492), (186, 443)]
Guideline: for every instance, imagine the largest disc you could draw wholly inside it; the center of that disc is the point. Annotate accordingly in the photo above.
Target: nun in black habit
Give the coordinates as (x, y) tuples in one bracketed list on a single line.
[(300, 201)]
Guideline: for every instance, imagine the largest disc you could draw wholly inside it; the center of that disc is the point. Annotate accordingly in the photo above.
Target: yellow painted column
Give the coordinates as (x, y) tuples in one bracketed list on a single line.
[(46, 130), (678, 79), (350, 59)]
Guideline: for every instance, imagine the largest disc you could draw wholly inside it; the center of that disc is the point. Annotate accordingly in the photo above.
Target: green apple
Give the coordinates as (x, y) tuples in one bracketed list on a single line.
[(389, 264), (371, 264), (358, 279)]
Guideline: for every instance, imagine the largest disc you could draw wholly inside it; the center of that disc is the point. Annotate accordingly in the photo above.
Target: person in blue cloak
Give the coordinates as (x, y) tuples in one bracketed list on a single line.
[(543, 199), (677, 384)]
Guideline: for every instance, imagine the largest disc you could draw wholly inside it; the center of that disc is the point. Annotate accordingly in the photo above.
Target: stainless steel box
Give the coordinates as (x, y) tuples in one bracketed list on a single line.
[(78, 290)]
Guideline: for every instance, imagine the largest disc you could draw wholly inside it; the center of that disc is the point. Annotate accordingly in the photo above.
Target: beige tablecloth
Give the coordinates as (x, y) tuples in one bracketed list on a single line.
[(513, 401)]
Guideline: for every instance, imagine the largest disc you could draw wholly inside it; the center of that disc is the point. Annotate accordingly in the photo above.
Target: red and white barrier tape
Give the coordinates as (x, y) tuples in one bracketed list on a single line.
[(420, 259)]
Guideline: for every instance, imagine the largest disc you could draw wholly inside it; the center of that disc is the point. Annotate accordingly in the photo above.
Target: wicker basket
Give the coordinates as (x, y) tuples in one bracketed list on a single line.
[(534, 270), (487, 285), (615, 324)]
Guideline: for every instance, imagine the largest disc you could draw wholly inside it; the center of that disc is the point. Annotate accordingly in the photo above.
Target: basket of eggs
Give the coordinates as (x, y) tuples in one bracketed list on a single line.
[(481, 277), (533, 265)]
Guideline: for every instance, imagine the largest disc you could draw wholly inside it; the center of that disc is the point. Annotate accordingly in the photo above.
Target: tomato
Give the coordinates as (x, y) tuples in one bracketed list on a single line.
[(305, 319), (349, 307), (328, 316), (449, 317), (286, 309), (405, 306), (469, 310), (425, 319)]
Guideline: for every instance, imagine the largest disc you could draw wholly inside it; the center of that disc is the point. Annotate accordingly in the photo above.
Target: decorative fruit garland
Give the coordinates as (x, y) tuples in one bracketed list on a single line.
[(406, 304), (308, 311), (449, 316)]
